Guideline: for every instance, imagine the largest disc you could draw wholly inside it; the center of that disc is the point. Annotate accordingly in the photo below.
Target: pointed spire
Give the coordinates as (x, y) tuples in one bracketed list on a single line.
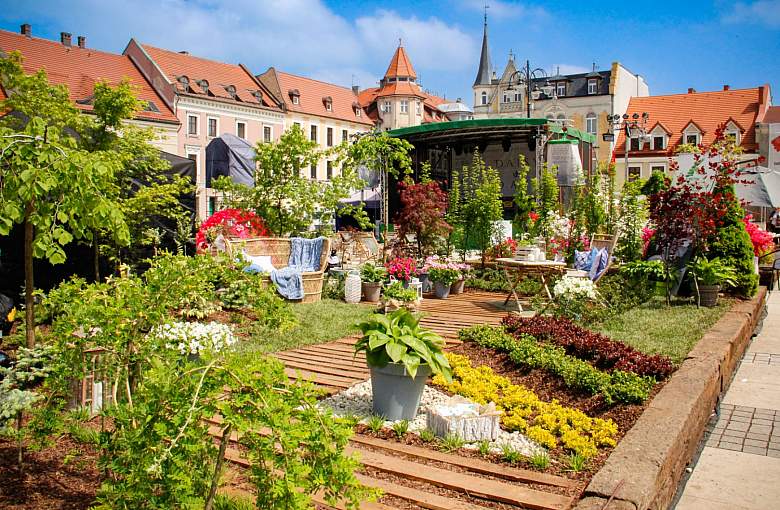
[(483, 73), (400, 65)]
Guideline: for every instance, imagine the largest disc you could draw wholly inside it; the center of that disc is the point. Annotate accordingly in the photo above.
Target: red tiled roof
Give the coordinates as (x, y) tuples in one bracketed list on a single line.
[(707, 110), (220, 78), (81, 68), (400, 65), (772, 115), (312, 95)]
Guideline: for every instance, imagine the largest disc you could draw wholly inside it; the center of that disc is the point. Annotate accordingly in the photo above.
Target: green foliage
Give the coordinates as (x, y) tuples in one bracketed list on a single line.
[(483, 447), (17, 384), (371, 273), (640, 270), (397, 291), (523, 200), (400, 428), (540, 461), (375, 423), (333, 287), (228, 502), (427, 435), (451, 443), (713, 272), (398, 338), (577, 462), (633, 217), (732, 245), (444, 275), (657, 182), (547, 195), (510, 454)]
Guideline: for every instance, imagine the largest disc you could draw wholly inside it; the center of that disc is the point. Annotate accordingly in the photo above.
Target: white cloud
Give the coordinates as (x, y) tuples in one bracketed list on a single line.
[(761, 12), (431, 43), (498, 9)]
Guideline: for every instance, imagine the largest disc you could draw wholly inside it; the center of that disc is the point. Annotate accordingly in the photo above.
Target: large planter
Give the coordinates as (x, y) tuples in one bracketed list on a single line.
[(396, 394), (372, 291), (425, 281), (457, 286), (708, 295), (442, 290)]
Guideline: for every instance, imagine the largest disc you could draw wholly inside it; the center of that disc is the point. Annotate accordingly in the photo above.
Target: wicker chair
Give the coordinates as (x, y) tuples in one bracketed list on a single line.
[(278, 248)]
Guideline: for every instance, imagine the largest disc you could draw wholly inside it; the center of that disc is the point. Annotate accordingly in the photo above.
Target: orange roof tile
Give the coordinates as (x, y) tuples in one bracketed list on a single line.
[(231, 82), (81, 68), (312, 96), (400, 65), (772, 115), (707, 110)]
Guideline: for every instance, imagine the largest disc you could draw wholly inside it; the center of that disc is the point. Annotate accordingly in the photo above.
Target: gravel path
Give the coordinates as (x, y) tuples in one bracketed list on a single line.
[(356, 401)]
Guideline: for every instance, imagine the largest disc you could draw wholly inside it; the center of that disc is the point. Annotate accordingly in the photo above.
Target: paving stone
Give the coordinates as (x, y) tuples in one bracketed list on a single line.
[(730, 446), (773, 453), (760, 429), (758, 421), (757, 437), (754, 450), (735, 425), (747, 414), (745, 409), (740, 418), (757, 444), (734, 433)]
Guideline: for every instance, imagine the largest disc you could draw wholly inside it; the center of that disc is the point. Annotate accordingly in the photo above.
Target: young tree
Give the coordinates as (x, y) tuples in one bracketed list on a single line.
[(56, 190), (547, 195), (523, 200), (423, 208)]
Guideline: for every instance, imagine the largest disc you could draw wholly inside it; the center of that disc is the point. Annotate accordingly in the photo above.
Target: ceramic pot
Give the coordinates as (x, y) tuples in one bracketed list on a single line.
[(372, 291), (442, 290), (396, 394), (457, 286)]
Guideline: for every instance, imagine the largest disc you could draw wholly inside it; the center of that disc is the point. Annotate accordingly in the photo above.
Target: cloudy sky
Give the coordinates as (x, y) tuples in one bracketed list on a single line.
[(674, 45)]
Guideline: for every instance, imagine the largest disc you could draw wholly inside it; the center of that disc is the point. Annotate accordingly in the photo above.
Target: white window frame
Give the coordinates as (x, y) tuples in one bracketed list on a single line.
[(560, 89), (197, 124), (404, 106), (662, 136), (593, 86), (344, 135), (657, 166), (628, 172), (271, 131), (631, 144), (245, 129), (417, 105), (329, 106), (484, 98), (387, 107), (296, 99), (735, 133), (315, 132), (216, 127), (518, 97), (506, 97), (592, 118), (692, 133), (357, 112)]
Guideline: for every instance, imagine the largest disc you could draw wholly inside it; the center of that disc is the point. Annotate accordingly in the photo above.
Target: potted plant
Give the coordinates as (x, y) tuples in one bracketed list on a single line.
[(442, 278), (372, 278), (396, 297), (401, 355), (457, 285), (709, 275), (401, 268)]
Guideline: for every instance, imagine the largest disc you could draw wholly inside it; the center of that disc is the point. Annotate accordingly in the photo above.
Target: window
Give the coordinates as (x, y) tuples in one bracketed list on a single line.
[(560, 88), (417, 105), (267, 134), (212, 125), (387, 107), (592, 86), (590, 123), (658, 168), (634, 143), (329, 106), (296, 99), (330, 170), (634, 172), (344, 135), (517, 97), (241, 129), (192, 125), (692, 138), (658, 143), (329, 136), (404, 106), (357, 112), (313, 136), (297, 124), (506, 97), (734, 135), (314, 171), (484, 98)]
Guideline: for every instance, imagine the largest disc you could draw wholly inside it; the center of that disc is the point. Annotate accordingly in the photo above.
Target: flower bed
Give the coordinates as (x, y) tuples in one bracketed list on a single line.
[(585, 344)]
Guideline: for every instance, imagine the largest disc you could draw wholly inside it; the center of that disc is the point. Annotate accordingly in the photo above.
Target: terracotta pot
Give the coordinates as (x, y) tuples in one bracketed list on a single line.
[(372, 291), (708, 295)]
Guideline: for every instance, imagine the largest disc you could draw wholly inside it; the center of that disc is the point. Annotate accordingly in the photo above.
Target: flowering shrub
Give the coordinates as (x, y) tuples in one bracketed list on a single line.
[(603, 352), (229, 223), (548, 423), (402, 268), (559, 228), (762, 240), (574, 298), (504, 249), (445, 275), (617, 386), (194, 337), (572, 288), (647, 234)]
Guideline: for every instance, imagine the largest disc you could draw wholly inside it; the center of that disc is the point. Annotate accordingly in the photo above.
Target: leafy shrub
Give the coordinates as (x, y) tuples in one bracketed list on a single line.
[(510, 454), (451, 443), (375, 423), (547, 423), (427, 435), (582, 343), (400, 428), (540, 460), (580, 375)]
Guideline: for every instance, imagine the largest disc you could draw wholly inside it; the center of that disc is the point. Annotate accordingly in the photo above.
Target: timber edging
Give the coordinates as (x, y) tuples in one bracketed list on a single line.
[(645, 468)]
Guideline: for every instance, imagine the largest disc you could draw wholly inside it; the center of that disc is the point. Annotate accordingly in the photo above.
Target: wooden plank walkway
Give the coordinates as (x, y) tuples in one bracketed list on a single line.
[(334, 367)]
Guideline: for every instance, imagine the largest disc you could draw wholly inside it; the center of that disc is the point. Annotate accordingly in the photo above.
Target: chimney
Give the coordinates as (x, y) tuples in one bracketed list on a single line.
[(184, 52), (727, 87), (65, 38), (691, 90), (356, 89), (26, 29), (82, 41)]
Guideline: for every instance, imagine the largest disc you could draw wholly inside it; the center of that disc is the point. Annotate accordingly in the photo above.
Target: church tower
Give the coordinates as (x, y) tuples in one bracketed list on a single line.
[(483, 83)]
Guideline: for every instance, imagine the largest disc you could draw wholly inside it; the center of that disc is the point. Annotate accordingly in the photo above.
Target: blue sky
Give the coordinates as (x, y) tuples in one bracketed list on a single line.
[(674, 45)]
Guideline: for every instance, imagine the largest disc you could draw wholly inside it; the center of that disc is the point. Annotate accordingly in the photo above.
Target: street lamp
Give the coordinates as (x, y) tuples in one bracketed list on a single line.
[(634, 126), (524, 77)]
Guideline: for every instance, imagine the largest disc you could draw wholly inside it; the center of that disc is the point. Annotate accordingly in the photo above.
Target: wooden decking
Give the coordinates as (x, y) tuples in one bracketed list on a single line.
[(334, 367)]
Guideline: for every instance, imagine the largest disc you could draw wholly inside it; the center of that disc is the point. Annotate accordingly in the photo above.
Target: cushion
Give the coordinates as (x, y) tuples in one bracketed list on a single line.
[(596, 262), (582, 260), (601, 266), (258, 264)]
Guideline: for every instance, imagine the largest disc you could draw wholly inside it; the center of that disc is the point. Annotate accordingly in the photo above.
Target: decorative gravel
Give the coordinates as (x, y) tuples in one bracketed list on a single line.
[(357, 401)]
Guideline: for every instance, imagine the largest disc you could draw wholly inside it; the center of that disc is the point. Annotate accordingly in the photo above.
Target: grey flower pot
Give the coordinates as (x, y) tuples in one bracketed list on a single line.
[(396, 394), (708, 295), (442, 290), (372, 291), (457, 286)]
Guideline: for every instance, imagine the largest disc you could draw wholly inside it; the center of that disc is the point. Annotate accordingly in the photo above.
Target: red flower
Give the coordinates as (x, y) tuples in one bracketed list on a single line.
[(534, 216), (229, 223)]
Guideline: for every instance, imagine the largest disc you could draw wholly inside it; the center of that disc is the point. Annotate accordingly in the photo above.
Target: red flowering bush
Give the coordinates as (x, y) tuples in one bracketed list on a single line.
[(762, 240), (423, 207), (229, 223), (504, 249), (598, 349), (402, 268)]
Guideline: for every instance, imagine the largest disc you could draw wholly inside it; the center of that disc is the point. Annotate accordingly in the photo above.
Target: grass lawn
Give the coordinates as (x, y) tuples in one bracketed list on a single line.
[(656, 328), (319, 322)]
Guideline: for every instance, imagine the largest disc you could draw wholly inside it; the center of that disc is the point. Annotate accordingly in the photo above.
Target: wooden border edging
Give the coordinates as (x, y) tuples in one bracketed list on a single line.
[(650, 460)]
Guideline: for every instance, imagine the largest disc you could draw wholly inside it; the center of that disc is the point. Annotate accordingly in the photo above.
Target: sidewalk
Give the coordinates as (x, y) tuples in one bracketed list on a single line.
[(739, 467)]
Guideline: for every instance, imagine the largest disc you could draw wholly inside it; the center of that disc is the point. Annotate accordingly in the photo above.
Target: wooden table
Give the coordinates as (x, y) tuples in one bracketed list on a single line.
[(514, 270)]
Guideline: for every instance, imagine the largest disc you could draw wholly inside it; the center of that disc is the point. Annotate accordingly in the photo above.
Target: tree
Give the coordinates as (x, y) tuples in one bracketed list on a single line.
[(423, 208), (547, 195), (524, 202)]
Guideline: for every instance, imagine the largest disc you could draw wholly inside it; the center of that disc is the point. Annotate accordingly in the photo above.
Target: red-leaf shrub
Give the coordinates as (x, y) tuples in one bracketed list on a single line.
[(602, 351), (423, 206), (229, 223)]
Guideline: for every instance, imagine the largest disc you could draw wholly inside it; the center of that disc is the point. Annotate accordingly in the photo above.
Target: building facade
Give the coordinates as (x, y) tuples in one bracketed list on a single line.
[(209, 98), (582, 100), (328, 114), (678, 122)]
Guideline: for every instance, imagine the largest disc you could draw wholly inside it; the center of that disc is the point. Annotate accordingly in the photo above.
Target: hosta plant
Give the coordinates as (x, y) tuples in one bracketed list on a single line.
[(398, 338)]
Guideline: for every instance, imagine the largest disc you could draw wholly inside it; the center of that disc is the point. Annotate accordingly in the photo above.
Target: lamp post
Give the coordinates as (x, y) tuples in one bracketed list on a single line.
[(524, 77), (634, 126)]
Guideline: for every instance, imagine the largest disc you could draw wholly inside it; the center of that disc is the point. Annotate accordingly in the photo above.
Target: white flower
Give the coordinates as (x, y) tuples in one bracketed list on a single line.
[(194, 337), (575, 287)]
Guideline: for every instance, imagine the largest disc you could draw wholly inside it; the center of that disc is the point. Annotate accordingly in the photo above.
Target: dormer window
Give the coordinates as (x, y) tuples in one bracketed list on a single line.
[(692, 134), (231, 90), (328, 102), (659, 142), (357, 112), (204, 85), (634, 143), (184, 83), (560, 88), (258, 95), (733, 131), (295, 96), (356, 108), (593, 86)]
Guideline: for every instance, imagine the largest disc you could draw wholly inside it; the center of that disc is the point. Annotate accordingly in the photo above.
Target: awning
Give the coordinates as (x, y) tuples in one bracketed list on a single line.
[(761, 188)]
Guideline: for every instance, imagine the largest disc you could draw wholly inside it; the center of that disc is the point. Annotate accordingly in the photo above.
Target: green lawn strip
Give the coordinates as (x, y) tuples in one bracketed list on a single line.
[(318, 322), (655, 328)]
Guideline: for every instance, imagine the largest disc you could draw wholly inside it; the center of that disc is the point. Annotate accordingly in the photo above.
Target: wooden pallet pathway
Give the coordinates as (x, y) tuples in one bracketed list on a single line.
[(334, 367)]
